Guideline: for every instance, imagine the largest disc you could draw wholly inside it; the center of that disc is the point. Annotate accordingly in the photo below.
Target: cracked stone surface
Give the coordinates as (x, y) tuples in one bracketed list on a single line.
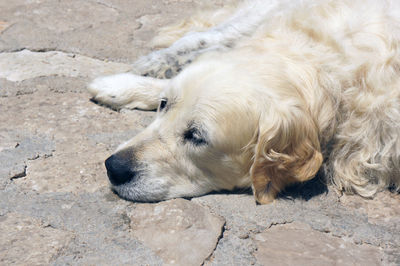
[(304, 246), (23, 65), (56, 206), (181, 232), (25, 240)]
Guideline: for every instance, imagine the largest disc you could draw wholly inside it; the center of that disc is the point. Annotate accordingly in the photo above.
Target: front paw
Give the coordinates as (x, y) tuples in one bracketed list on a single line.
[(157, 65), (164, 64), (125, 90)]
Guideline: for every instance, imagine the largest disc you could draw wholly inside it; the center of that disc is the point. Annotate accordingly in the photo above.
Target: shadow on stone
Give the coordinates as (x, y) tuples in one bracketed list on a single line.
[(236, 191), (306, 190)]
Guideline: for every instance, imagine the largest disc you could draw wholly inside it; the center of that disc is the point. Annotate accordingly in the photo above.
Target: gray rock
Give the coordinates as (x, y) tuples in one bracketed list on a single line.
[(233, 250), (16, 151), (97, 221), (383, 209), (82, 134), (298, 244), (103, 29), (179, 231), (56, 84), (3, 25), (25, 240), (323, 213), (19, 66)]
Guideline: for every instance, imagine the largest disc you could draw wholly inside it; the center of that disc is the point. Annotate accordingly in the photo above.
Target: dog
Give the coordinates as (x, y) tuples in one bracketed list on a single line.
[(264, 94)]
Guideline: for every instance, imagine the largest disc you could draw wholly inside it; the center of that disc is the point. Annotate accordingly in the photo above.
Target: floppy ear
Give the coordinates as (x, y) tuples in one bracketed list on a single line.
[(287, 151)]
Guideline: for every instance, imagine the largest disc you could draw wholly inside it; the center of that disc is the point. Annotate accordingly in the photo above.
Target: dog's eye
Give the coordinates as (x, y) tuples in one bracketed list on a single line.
[(194, 135), (163, 104)]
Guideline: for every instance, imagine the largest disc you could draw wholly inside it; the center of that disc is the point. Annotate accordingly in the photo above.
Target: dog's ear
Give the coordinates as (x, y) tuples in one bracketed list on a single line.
[(287, 150)]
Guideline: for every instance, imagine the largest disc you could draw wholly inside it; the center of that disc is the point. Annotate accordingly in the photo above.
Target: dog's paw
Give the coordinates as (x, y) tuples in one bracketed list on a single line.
[(164, 64), (126, 90), (158, 64)]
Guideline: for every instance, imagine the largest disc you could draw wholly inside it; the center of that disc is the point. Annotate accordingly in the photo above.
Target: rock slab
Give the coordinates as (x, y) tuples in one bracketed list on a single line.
[(25, 64), (179, 231), (298, 244), (27, 241)]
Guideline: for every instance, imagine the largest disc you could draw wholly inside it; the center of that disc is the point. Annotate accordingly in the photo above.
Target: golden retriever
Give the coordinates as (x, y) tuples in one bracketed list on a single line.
[(263, 95)]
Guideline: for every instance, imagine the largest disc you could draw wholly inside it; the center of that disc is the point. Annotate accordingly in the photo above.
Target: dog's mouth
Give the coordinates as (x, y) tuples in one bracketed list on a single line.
[(134, 196), (142, 189)]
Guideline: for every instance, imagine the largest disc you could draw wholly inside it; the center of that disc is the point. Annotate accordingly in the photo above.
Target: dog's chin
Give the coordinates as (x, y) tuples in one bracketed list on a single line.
[(155, 191), (139, 192)]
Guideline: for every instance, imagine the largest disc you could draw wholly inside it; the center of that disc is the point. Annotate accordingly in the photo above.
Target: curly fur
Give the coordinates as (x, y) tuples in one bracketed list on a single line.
[(309, 84)]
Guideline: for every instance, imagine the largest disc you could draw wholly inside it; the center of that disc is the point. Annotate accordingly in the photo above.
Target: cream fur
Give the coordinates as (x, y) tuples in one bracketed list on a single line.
[(300, 82)]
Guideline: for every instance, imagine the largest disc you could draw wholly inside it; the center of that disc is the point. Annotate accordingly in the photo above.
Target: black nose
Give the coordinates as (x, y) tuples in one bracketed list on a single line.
[(119, 168)]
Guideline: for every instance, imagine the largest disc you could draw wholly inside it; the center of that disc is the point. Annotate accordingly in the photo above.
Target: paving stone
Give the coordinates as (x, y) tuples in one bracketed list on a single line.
[(179, 231), (3, 25), (52, 83), (384, 208), (103, 29), (97, 221), (299, 244), (28, 241), (323, 213), (16, 150), (19, 66), (82, 134), (233, 250)]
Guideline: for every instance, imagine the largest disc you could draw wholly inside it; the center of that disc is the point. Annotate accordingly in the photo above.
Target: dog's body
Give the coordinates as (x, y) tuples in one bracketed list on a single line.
[(273, 91)]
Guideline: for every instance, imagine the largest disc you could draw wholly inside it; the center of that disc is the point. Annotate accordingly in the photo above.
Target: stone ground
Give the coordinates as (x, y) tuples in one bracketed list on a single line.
[(55, 203)]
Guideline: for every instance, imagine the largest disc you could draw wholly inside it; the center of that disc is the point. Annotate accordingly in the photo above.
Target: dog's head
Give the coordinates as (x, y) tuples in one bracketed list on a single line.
[(217, 128)]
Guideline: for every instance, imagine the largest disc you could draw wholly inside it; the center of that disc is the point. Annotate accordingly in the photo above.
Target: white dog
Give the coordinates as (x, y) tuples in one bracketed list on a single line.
[(270, 91)]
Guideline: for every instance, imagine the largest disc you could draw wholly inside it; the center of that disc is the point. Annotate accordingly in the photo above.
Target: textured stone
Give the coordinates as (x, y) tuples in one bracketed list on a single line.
[(298, 244), (56, 84), (25, 64), (384, 208), (179, 231), (323, 213), (3, 25), (233, 250), (74, 125), (17, 151), (104, 29), (27, 241), (97, 221)]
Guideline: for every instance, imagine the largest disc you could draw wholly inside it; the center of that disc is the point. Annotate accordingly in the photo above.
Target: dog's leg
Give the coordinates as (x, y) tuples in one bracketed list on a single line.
[(127, 90), (132, 91), (199, 22), (166, 63)]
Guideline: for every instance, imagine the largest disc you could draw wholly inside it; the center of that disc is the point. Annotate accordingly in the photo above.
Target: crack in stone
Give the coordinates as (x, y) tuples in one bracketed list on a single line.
[(34, 157), (278, 223), (19, 174), (7, 28), (108, 6), (35, 50), (220, 237)]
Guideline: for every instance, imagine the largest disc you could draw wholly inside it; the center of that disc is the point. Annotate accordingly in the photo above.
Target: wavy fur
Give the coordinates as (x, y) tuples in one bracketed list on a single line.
[(280, 88)]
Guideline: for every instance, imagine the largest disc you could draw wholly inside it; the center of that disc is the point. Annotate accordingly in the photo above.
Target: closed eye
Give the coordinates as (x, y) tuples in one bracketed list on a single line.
[(163, 104), (194, 136)]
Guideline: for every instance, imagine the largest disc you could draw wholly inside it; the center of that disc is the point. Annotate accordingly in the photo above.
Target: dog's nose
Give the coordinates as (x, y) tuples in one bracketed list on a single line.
[(119, 169)]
